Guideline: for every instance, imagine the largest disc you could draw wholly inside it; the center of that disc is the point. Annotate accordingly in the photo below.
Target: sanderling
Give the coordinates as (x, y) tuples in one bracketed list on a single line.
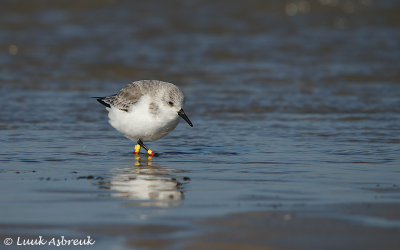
[(145, 111)]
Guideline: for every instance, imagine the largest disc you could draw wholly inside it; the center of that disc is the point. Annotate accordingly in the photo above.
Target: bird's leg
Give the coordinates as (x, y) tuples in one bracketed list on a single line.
[(141, 144)]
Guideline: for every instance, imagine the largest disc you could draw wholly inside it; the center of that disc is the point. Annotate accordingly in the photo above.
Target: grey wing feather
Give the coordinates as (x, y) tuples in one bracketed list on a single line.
[(125, 98)]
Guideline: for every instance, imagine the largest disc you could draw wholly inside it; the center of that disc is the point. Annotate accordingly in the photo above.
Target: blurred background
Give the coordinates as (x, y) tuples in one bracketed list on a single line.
[(295, 104), (306, 56)]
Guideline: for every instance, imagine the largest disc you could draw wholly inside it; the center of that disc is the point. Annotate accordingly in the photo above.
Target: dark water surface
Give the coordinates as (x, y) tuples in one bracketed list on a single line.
[(295, 106)]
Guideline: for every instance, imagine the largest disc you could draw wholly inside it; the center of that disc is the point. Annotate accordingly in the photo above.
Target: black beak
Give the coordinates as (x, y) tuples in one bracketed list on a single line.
[(182, 114)]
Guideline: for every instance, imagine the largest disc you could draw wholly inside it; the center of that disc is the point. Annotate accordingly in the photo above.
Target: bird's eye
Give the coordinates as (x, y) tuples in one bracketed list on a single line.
[(171, 103)]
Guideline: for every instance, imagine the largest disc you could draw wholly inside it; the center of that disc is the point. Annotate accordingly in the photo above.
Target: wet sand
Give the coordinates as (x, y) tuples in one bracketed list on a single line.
[(346, 226), (335, 227)]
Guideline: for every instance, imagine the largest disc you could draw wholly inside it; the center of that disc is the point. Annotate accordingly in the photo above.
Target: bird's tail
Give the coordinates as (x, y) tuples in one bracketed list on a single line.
[(102, 101)]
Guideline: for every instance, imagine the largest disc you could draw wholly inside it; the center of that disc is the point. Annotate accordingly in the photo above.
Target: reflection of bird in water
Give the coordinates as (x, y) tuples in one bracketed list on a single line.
[(147, 183)]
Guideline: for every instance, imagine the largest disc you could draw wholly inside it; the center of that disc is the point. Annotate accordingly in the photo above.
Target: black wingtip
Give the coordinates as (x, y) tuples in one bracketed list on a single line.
[(100, 100)]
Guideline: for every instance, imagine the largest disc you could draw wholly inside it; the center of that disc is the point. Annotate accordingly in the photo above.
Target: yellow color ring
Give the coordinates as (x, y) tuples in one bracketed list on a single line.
[(137, 149)]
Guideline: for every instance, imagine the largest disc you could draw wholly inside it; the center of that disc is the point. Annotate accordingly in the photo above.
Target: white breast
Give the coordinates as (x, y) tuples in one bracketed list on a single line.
[(143, 122)]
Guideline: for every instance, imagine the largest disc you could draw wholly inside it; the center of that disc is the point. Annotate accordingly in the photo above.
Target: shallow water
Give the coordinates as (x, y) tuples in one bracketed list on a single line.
[(295, 105)]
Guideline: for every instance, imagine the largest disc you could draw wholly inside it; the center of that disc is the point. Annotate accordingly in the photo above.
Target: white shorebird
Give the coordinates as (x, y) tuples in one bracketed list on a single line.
[(145, 111)]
